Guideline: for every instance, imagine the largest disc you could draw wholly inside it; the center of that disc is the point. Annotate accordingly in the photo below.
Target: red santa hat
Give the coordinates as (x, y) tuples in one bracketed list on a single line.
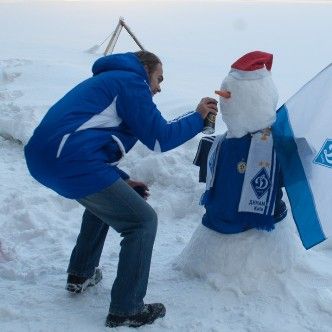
[(253, 65), (253, 61)]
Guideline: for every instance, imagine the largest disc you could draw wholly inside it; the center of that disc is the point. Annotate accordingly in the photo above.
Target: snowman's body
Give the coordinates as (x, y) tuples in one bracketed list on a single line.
[(229, 243)]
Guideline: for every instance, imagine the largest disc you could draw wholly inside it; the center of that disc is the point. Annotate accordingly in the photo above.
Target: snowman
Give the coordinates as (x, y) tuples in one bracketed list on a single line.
[(244, 235)]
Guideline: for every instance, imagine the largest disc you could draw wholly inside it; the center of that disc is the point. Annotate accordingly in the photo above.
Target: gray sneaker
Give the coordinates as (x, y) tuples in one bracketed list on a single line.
[(148, 315), (77, 284)]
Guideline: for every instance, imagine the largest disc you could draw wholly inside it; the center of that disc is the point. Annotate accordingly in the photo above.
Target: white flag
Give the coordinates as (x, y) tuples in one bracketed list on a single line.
[(303, 139)]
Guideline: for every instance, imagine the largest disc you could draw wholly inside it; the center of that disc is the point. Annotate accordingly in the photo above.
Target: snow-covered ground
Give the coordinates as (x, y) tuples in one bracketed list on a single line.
[(258, 281)]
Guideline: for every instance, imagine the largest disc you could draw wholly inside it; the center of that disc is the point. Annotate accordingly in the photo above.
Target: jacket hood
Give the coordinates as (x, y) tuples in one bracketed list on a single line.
[(124, 61)]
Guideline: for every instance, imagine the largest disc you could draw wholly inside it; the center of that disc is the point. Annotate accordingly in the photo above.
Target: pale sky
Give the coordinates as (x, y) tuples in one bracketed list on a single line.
[(276, 1)]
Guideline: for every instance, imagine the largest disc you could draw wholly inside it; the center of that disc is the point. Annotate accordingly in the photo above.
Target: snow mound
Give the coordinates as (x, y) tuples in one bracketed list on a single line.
[(246, 261)]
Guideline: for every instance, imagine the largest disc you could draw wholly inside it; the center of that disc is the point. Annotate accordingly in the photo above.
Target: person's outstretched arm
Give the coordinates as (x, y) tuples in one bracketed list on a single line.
[(141, 115)]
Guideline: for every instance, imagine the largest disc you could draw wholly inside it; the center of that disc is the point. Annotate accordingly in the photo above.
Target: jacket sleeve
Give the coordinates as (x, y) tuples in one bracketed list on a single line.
[(141, 115)]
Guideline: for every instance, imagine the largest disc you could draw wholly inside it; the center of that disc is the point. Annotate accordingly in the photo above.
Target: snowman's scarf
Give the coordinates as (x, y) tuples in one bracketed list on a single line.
[(258, 189)]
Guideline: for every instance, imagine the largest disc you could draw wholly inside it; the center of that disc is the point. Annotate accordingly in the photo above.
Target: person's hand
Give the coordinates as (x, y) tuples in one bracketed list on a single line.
[(140, 187), (207, 105)]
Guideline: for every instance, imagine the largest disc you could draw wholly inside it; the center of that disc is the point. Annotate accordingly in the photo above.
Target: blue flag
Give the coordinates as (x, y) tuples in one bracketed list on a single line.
[(303, 140)]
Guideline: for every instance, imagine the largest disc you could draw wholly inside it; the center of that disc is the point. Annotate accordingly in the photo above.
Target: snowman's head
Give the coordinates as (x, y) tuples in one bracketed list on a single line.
[(248, 96)]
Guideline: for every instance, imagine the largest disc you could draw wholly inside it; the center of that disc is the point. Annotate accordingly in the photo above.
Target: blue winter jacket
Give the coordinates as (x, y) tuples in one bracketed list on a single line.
[(77, 145)]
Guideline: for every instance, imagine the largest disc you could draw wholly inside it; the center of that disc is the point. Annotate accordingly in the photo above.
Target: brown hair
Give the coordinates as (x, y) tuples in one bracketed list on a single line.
[(148, 59)]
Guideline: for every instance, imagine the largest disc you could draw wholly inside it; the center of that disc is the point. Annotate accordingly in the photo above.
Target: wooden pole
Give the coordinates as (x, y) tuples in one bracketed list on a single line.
[(115, 36), (132, 34)]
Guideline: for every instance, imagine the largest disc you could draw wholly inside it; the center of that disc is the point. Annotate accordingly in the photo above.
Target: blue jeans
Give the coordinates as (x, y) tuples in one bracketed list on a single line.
[(120, 207)]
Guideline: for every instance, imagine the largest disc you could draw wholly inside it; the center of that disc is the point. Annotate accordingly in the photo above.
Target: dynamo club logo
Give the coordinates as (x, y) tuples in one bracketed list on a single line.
[(261, 183), (324, 156)]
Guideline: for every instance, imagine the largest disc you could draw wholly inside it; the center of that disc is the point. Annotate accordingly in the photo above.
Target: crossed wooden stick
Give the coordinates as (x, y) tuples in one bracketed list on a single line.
[(110, 47)]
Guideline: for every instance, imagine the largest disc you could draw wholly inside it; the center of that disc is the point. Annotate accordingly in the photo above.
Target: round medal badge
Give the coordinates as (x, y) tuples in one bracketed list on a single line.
[(241, 167)]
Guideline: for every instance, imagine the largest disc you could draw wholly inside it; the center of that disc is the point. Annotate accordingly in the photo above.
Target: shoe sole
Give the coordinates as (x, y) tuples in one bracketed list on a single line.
[(131, 323), (80, 288)]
